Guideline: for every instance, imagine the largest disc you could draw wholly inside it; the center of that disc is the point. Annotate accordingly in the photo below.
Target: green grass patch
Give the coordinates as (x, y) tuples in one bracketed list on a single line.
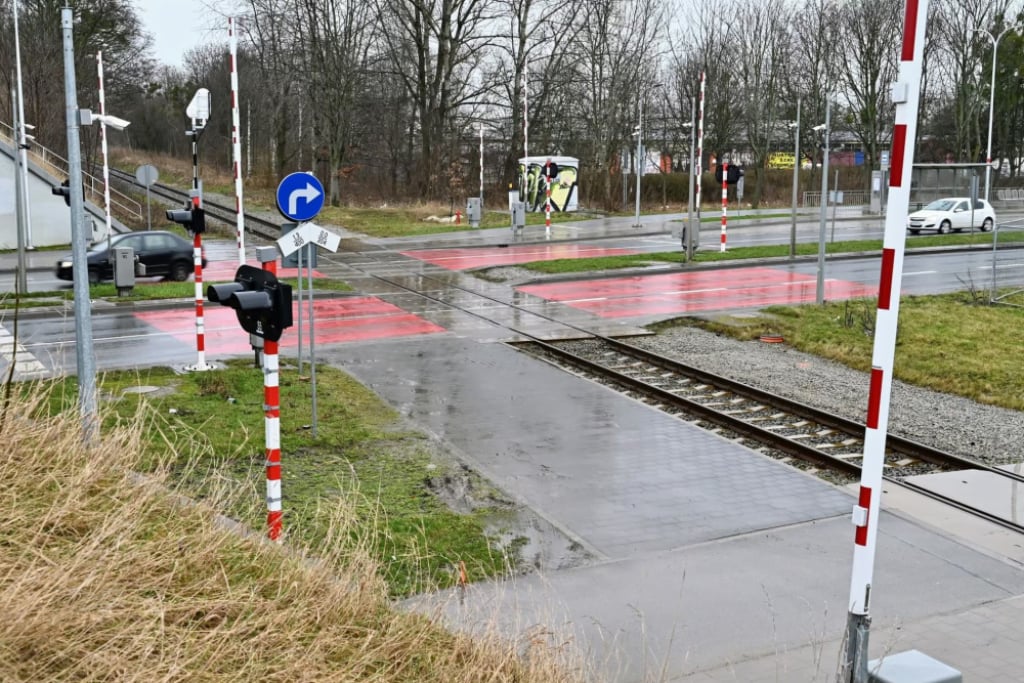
[(411, 221), (767, 251), (955, 343), (214, 422)]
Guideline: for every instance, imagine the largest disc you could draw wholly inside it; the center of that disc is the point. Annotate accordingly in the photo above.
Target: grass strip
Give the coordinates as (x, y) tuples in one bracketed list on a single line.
[(954, 343), (388, 476), (769, 251), (114, 576)]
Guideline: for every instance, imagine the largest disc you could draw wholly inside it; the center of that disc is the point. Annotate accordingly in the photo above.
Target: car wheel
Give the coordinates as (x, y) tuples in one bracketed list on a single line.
[(986, 225), (94, 276), (914, 232), (944, 227), (180, 270)]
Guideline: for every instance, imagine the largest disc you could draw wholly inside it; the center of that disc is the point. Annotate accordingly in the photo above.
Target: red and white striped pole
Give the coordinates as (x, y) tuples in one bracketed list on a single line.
[(272, 415), (547, 203), (725, 200), (906, 94), (236, 141), (700, 143), (197, 265), (103, 146)]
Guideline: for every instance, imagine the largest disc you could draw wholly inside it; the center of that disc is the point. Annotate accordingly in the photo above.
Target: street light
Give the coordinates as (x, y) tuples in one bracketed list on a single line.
[(991, 102), (820, 289), (639, 149)]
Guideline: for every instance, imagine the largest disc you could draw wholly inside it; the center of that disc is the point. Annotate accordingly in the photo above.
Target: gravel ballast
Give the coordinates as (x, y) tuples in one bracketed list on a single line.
[(950, 423)]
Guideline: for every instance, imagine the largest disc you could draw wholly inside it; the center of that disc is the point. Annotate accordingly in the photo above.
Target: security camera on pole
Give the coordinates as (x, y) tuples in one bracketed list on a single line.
[(193, 219)]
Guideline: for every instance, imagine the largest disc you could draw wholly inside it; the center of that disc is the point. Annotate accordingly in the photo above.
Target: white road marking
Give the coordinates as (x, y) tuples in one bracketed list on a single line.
[(24, 362)]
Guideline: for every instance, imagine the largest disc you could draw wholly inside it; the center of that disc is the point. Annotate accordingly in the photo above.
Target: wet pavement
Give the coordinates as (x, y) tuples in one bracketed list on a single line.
[(708, 554)]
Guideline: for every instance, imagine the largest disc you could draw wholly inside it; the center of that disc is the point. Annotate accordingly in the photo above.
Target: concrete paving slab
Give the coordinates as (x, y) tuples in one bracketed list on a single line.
[(618, 475), (767, 606)]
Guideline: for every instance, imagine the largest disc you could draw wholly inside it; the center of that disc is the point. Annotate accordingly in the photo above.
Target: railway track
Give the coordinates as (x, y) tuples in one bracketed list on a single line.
[(225, 214), (777, 426)]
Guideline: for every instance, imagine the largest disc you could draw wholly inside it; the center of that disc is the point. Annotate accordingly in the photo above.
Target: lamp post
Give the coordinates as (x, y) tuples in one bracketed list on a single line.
[(639, 149), (820, 289), (25, 230), (991, 102)]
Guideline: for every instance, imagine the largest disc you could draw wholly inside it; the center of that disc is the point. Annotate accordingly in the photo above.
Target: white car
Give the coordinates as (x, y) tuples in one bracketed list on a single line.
[(952, 213)]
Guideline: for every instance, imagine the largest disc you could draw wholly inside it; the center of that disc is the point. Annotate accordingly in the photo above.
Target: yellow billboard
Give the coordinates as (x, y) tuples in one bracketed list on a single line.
[(781, 160)]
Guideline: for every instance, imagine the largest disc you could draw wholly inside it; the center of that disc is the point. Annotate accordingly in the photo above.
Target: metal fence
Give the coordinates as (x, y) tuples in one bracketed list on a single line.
[(57, 166), (850, 198)]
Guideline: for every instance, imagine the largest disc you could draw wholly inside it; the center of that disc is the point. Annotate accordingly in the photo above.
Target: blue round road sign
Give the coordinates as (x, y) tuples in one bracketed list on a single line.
[(300, 196)]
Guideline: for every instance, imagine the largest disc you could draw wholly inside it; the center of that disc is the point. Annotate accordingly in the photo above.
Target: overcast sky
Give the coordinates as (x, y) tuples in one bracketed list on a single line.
[(179, 25)]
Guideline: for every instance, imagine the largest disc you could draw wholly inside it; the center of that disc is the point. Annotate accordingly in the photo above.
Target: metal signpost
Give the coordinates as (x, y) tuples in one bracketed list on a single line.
[(296, 240), (147, 175), (300, 197)]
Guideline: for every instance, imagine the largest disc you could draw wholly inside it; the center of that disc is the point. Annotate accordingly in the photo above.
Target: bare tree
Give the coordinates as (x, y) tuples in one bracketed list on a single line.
[(434, 47), (869, 68), (335, 47)]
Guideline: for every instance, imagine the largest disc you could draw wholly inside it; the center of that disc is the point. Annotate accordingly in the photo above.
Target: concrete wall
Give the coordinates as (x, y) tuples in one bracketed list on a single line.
[(50, 217)]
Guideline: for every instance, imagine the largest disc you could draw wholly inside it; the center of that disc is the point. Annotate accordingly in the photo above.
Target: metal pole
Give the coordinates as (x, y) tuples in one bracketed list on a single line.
[(301, 249), (639, 152), (312, 349), (236, 141), (866, 512), (481, 171), (700, 144), (149, 213), (103, 151), (85, 357), (820, 290), (20, 205), (725, 201), (796, 182), (991, 104), (272, 422), (547, 201), (690, 196), (835, 203), (22, 137)]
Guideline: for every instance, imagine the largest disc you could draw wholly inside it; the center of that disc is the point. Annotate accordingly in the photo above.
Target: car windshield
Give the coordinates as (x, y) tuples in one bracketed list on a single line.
[(941, 205)]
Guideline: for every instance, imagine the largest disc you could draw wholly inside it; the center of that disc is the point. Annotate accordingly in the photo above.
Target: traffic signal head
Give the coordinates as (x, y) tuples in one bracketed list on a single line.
[(64, 190), (735, 172), (192, 219), (263, 305)]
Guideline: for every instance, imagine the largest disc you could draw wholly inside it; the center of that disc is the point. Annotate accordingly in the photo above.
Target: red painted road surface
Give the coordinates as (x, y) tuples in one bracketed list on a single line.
[(337, 320), (464, 259), (224, 271), (679, 293)]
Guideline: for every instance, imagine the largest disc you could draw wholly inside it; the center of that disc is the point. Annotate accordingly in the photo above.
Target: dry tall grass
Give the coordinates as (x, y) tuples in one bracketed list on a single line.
[(110, 576)]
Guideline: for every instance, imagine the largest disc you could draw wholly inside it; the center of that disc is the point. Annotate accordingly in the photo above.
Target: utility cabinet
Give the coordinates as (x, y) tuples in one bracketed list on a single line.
[(911, 667)]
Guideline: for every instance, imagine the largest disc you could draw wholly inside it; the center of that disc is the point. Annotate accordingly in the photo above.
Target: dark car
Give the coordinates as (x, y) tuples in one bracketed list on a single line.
[(164, 254)]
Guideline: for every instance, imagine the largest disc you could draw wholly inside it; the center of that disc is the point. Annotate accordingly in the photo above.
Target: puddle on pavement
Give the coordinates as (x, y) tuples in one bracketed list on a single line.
[(520, 532)]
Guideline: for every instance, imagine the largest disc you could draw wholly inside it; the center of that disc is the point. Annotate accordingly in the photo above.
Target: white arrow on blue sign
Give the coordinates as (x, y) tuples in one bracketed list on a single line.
[(300, 196)]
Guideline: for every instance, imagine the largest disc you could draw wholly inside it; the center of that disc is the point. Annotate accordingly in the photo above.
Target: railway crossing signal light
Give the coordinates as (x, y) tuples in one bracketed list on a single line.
[(734, 174), (192, 218), (63, 190), (262, 303)]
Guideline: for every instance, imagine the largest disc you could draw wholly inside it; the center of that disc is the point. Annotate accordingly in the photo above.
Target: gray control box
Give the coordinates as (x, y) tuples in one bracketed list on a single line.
[(518, 215), (124, 268), (474, 211), (911, 666)]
